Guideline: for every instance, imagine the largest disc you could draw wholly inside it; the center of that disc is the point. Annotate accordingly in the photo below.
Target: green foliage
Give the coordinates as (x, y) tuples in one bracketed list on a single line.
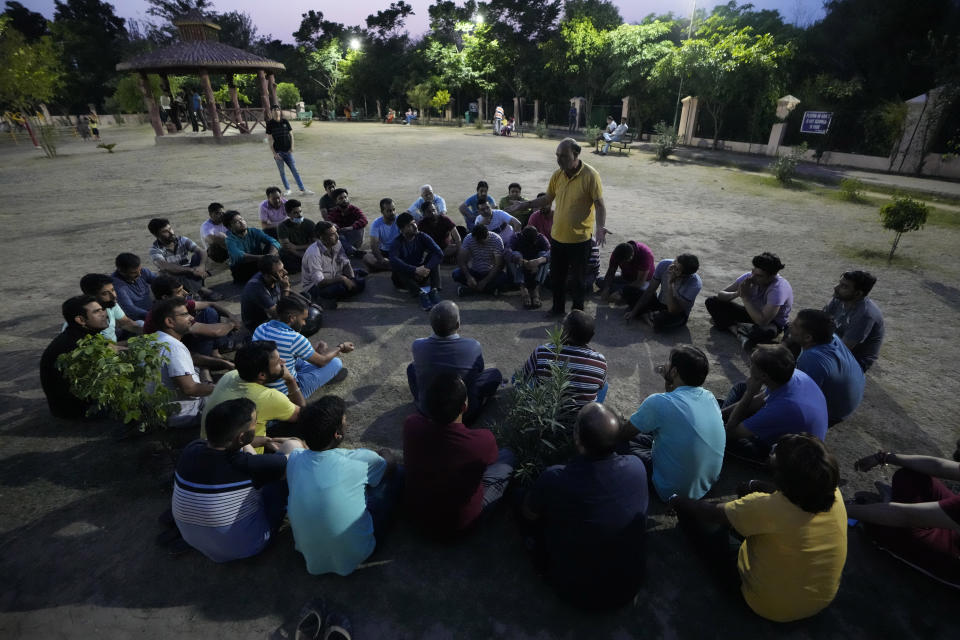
[(31, 72), (591, 133), (784, 168), (127, 97), (852, 189), (664, 140), (126, 383), (903, 214), (288, 95), (420, 96), (883, 127), (307, 123), (440, 99), (541, 129), (48, 139), (538, 426), (222, 96), (108, 146)]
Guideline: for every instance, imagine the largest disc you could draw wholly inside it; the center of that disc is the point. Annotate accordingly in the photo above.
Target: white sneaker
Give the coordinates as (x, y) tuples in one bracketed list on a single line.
[(288, 192), (307, 192)]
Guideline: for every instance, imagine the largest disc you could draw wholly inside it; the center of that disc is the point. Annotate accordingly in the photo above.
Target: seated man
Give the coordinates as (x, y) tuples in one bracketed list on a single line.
[(311, 367), (828, 362), (426, 195), (857, 318), (349, 221), (452, 474), (793, 403), (513, 195), (542, 219), (635, 262), (212, 330), (446, 354), (246, 247), (179, 374), (383, 233), (469, 207), (588, 368), (528, 259), (679, 434), (616, 136), (295, 235), (100, 286), (341, 500), (84, 317), (132, 284), (328, 275), (918, 520), (258, 302), (258, 363), (272, 212), (480, 263), (326, 200), (499, 222), (589, 517), (767, 299), (180, 256), (610, 128), (794, 533), (669, 298), (213, 235), (415, 258), (441, 229), (228, 502)]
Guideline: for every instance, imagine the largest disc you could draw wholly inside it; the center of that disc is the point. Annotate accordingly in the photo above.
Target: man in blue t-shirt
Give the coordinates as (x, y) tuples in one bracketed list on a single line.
[(227, 501), (383, 233), (792, 403), (828, 362), (679, 434), (586, 520), (341, 500), (468, 209)]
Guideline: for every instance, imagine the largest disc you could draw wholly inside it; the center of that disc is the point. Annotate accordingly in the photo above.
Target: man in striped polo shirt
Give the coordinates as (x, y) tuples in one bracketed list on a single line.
[(588, 368), (312, 367), (481, 263)]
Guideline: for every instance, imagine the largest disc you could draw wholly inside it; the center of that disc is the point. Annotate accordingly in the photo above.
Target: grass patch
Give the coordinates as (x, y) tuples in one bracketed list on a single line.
[(943, 217)]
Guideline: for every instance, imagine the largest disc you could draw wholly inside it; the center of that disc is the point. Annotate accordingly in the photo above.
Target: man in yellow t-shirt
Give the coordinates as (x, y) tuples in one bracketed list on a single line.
[(578, 193), (795, 532), (257, 364)]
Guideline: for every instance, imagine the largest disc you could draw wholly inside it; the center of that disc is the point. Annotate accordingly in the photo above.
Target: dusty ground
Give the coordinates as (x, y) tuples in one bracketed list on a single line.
[(78, 509)]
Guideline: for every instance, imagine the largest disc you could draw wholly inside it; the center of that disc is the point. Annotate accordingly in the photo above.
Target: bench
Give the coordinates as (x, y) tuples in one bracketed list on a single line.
[(620, 145), (305, 115)]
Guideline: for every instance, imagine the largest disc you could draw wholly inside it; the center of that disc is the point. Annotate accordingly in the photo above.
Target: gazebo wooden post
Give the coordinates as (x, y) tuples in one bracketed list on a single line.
[(264, 93), (235, 103), (272, 84), (174, 111), (148, 100), (214, 122)]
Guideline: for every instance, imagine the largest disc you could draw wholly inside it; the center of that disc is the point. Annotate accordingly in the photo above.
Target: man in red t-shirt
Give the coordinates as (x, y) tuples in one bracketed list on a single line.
[(635, 262), (453, 474)]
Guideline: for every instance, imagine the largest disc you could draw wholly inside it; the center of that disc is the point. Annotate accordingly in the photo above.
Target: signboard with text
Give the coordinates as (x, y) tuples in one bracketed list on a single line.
[(816, 122)]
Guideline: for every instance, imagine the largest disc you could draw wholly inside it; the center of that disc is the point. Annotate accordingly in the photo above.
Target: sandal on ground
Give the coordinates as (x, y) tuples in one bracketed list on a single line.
[(312, 618), (338, 628)]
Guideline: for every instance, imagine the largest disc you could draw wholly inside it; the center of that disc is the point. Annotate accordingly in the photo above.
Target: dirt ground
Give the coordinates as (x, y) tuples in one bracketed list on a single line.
[(78, 508)]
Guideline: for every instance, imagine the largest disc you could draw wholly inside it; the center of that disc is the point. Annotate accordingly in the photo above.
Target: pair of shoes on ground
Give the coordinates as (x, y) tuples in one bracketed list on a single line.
[(530, 299), (303, 192), (317, 622)]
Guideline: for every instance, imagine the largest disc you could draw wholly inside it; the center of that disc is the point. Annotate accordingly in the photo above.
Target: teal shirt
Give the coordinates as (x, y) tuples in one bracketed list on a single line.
[(689, 439), (328, 506), (253, 241)]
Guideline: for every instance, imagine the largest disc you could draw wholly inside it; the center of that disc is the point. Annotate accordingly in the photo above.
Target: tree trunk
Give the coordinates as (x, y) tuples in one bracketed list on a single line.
[(896, 241)]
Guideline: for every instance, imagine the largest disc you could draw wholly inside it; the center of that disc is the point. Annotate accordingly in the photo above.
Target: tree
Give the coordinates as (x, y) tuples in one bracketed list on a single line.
[(420, 96), (902, 215), (637, 48), (388, 23), (440, 99), (324, 67), (30, 24), (603, 14), (91, 37), (579, 55), (288, 95), (314, 31), (31, 72), (127, 97), (237, 29)]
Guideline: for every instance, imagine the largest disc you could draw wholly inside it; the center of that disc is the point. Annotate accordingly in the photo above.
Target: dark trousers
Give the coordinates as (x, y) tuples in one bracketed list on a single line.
[(568, 259), (274, 497), (291, 261), (499, 282), (339, 291), (663, 320), (725, 314), (217, 253), (404, 280), (382, 501), (192, 283), (243, 271)]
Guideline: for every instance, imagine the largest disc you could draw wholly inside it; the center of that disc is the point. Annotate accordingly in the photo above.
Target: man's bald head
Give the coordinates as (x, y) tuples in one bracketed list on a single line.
[(597, 430), (445, 318)]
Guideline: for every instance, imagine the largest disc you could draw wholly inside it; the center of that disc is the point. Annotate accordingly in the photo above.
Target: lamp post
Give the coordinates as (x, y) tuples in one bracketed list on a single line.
[(676, 111)]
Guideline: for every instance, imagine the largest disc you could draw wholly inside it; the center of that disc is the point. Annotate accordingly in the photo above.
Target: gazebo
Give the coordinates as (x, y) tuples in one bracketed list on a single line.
[(200, 53)]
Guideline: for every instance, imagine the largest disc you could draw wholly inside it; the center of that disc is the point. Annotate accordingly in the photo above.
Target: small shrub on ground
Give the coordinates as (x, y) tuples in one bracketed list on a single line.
[(852, 189), (784, 168), (664, 139), (902, 215), (541, 129), (478, 124), (592, 133)]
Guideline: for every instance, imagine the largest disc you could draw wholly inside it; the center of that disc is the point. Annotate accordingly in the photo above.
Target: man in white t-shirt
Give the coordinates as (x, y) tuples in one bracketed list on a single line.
[(616, 136), (497, 221), (179, 374), (100, 286), (383, 233), (213, 235)]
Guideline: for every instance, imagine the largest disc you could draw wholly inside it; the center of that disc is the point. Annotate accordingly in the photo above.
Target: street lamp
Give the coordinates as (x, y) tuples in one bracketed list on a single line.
[(355, 44), (478, 19)]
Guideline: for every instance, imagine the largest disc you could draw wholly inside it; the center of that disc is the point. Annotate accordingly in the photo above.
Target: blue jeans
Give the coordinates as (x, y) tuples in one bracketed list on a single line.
[(602, 394), (286, 157), (496, 477), (310, 377)]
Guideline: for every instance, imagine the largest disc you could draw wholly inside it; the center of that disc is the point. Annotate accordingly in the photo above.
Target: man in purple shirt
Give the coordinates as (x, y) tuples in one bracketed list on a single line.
[(767, 299), (132, 283), (272, 212)]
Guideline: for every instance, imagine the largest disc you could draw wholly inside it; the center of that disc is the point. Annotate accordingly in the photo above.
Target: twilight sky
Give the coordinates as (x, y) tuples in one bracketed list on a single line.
[(282, 20)]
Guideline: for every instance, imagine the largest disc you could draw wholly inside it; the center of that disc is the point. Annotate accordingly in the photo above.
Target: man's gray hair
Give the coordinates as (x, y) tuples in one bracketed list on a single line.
[(425, 187), (570, 142), (445, 318)]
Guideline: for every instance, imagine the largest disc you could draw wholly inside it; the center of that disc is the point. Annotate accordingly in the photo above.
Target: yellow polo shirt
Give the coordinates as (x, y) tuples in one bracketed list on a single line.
[(271, 404), (573, 218), (790, 561)]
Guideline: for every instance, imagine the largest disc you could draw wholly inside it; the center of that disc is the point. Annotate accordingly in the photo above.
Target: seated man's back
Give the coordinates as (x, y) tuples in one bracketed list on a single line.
[(797, 407), (446, 356)]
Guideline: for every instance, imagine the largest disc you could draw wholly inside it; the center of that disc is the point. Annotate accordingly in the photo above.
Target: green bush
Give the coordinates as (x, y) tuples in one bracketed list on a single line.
[(664, 140), (784, 168), (902, 215), (851, 189), (478, 124), (538, 426), (541, 129), (288, 95), (592, 133)]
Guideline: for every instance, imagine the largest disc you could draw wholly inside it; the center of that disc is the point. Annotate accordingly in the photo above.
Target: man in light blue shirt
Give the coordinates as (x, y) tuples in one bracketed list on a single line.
[(383, 233), (828, 361), (341, 500), (469, 207), (679, 434), (427, 195)]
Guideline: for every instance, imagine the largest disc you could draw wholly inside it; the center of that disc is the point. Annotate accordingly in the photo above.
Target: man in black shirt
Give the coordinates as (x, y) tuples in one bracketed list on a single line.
[(280, 135), (84, 317)]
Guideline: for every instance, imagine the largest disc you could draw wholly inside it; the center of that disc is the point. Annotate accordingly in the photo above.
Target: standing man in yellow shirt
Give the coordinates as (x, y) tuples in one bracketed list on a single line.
[(579, 208)]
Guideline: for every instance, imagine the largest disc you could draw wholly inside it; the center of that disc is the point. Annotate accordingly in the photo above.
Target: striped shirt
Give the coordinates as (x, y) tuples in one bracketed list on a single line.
[(180, 254), (291, 345), (213, 505), (483, 256), (588, 369)]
